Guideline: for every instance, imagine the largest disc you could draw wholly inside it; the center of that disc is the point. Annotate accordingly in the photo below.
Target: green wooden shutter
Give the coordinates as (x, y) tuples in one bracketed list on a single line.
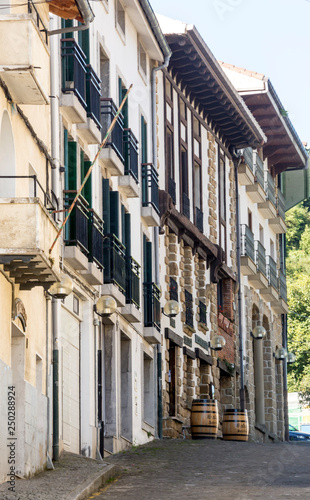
[(125, 109), (83, 37), (143, 140), (147, 260), (106, 205), (72, 165), (66, 159), (128, 234), (123, 224), (114, 213), (87, 189), (67, 23)]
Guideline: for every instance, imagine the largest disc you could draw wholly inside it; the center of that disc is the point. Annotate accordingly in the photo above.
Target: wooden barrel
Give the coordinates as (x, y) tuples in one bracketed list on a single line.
[(204, 419), (235, 425)]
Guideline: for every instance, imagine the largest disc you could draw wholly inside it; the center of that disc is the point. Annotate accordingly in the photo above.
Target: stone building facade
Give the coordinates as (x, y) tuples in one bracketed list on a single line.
[(198, 219)]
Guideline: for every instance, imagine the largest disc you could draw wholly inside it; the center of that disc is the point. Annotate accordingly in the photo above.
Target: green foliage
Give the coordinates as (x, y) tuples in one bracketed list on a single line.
[(297, 219), (298, 287)]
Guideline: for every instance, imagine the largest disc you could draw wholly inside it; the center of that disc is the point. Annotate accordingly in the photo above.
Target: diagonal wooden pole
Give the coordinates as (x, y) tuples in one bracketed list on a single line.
[(91, 167)]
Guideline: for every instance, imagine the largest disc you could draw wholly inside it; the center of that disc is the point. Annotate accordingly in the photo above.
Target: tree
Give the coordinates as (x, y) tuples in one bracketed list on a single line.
[(297, 219)]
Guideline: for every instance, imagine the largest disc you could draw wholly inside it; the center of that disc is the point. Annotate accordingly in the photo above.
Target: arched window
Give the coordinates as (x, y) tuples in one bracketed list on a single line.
[(7, 158)]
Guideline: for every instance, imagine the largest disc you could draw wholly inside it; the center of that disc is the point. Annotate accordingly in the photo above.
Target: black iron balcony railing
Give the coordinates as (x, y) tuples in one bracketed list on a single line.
[(202, 313), (270, 189), (282, 286), (272, 273), (247, 242), (150, 194), (95, 238), (132, 282), (93, 93), (130, 153), (172, 189), (199, 219), (151, 294), (36, 16), (76, 229), (281, 204), (174, 294), (35, 190), (260, 257), (108, 111), (189, 315), (73, 61), (248, 157), (259, 170), (114, 262), (185, 205)]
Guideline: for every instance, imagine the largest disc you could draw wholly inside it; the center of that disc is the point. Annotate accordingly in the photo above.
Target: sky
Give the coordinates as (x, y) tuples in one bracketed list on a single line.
[(268, 36)]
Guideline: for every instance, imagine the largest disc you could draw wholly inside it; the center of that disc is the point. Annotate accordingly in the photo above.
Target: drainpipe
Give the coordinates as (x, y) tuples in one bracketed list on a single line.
[(285, 404), (156, 245), (236, 159), (55, 381), (55, 149)]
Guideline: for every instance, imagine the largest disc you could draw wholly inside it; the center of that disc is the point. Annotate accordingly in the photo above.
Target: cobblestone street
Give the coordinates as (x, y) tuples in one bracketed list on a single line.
[(168, 470), (177, 469)]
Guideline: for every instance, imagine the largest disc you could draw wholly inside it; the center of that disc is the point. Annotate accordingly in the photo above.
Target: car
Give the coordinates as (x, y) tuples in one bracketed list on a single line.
[(295, 435)]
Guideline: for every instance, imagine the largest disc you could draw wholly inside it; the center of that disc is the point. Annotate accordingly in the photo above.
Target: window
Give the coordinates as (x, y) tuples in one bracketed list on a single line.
[(250, 220), (104, 74), (261, 234), (142, 59), (120, 17), (272, 249), (169, 153), (197, 172), (222, 201)]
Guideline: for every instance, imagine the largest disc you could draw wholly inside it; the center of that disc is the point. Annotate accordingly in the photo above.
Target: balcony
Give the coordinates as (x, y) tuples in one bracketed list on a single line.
[(131, 311), (111, 156), (129, 183), (151, 296), (27, 232), (150, 197), (256, 191), (277, 224), (271, 293), (24, 57), (90, 130), (268, 207), (245, 168), (199, 219), (247, 260), (73, 98), (280, 306), (76, 232), (94, 273), (114, 269), (259, 280)]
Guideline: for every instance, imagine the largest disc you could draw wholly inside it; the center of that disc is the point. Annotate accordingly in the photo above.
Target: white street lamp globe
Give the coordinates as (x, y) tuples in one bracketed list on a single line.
[(259, 332), (106, 305), (171, 308), (217, 343), (61, 289)]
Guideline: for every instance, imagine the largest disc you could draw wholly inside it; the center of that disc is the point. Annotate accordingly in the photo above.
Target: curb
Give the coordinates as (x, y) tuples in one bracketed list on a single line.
[(92, 484)]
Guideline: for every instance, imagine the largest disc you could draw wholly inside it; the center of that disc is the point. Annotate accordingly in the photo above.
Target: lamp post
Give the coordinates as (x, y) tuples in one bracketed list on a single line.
[(258, 334), (217, 343)]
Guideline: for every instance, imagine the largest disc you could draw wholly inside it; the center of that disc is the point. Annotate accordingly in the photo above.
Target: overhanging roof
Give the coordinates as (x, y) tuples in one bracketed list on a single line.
[(203, 80), (70, 9), (284, 148)]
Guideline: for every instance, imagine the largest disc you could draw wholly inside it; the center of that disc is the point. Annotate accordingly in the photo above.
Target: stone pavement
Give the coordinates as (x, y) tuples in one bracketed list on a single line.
[(177, 470), (215, 470), (73, 478)]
